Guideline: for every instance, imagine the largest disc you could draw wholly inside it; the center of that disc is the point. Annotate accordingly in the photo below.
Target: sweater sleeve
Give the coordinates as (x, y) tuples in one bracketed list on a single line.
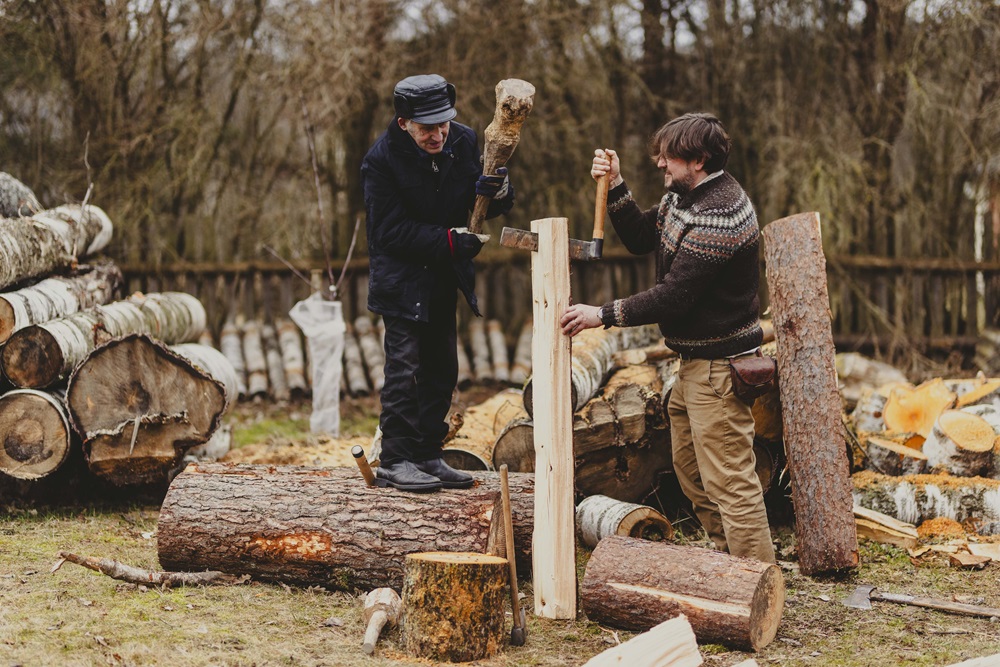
[(636, 228)]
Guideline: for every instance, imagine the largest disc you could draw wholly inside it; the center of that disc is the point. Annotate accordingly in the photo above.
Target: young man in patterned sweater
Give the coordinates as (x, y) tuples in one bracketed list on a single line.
[(705, 302)]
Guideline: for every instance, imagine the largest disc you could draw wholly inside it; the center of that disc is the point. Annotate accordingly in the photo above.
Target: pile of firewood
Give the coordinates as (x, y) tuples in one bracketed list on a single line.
[(100, 388)]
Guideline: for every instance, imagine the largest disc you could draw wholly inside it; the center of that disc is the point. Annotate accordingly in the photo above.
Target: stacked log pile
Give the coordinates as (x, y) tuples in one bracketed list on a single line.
[(60, 318)]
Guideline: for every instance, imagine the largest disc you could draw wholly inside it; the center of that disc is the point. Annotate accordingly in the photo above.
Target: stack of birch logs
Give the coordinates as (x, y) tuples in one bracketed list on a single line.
[(268, 358), (95, 395), (930, 450)]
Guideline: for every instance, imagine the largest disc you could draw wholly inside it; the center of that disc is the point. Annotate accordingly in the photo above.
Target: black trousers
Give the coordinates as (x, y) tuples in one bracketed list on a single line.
[(421, 370)]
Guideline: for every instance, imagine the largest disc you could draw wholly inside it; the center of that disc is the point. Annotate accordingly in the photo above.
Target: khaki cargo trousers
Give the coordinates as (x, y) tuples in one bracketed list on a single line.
[(711, 433)]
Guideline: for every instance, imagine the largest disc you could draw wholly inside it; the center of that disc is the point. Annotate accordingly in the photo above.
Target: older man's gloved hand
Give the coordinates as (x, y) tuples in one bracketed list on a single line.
[(463, 244), (494, 186)]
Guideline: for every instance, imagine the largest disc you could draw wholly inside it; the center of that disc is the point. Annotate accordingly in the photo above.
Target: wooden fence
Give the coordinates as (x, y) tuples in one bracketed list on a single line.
[(875, 302)]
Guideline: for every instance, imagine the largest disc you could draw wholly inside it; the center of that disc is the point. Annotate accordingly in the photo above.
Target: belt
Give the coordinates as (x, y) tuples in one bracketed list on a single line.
[(688, 357)]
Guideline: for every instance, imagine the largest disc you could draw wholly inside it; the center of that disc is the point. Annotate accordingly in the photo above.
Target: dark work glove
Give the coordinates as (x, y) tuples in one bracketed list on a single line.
[(463, 243), (493, 186)]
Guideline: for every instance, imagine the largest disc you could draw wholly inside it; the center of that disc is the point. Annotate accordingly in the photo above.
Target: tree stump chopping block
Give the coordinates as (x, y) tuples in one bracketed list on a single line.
[(453, 605), (325, 526), (826, 536), (635, 584)]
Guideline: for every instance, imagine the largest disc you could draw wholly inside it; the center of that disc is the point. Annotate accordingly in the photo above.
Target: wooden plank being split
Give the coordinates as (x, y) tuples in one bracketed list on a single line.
[(554, 539), (811, 406)]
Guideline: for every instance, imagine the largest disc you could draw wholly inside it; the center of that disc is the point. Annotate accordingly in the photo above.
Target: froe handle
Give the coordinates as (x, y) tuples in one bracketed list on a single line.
[(600, 212)]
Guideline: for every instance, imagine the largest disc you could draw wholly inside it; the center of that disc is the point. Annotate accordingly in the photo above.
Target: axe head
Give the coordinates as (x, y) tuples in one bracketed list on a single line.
[(861, 598), (522, 239)]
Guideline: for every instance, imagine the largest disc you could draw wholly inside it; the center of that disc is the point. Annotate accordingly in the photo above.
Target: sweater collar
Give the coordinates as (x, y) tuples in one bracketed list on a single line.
[(700, 190)]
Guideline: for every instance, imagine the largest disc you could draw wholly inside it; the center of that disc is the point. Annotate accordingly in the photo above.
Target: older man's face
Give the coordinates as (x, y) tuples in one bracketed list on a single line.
[(429, 138)]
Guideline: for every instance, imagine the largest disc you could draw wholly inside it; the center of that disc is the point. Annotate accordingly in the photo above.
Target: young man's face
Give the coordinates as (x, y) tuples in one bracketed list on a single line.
[(680, 176), (429, 138)]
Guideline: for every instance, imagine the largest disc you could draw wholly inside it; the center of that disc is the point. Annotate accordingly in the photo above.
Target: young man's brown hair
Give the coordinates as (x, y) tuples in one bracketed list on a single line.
[(693, 136)]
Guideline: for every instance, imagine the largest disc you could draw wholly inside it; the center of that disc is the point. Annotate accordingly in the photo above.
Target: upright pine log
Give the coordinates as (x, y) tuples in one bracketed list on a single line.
[(554, 539), (811, 407), (337, 533)]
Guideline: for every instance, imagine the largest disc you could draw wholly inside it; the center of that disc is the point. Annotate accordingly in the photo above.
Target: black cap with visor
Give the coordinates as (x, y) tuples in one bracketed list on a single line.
[(425, 98)]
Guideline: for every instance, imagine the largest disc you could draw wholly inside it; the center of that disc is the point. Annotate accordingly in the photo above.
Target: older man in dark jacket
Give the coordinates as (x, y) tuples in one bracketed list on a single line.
[(420, 180)]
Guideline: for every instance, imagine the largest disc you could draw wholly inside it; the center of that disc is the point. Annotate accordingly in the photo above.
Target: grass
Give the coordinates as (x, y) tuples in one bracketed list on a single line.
[(74, 616)]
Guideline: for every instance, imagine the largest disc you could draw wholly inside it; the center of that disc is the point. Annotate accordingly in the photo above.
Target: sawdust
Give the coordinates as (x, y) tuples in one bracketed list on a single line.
[(940, 527), (319, 451), (866, 478)]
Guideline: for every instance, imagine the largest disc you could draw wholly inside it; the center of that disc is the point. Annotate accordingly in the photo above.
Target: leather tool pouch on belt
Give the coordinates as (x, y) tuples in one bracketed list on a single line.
[(753, 376)]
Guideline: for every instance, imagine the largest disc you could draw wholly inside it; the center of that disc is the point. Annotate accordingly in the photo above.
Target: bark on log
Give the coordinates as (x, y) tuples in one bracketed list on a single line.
[(453, 605), (521, 368), (50, 241), (17, 200), (600, 516), (232, 348), (890, 457), (275, 368), (992, 416), (471, 448), (140, 406), (371, 352), (256, 362), (594, 358), (918, 498), (338, 533), (57, 297), (636, 584), (515, 99), (292, 357), (670, 644), (39, 355), (35, 432), (811, 407), (960, 443), (868, 415), (498, 351)]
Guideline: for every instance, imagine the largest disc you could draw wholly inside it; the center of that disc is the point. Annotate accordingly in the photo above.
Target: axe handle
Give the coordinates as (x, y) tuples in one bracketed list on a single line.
[(601, 205), (934, 603)]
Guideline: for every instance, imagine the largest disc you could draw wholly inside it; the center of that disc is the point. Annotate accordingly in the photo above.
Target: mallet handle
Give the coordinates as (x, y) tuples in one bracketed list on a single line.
[(363, 466), (601, 205)]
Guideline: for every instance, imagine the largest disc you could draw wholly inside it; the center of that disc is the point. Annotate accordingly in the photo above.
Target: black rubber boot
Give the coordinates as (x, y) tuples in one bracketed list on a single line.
[(405, 476), (450, 478)]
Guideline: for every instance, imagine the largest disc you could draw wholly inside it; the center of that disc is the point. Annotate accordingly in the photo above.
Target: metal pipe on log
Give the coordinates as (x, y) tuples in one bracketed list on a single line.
[(39, 355), (339, 532), (635, 584), (140, 405), (811, 406), (58, 296), (49, 241)]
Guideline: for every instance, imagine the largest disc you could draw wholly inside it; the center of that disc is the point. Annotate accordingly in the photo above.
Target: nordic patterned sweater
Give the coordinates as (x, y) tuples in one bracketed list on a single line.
[(707, 273)]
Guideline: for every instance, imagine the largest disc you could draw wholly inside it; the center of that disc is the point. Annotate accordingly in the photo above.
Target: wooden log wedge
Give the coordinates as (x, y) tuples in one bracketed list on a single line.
[(58, 296), (50, 240), (35, 433), (636, 584), (39, 355), (337, 533), (453, 605), (810, 400), (140, 406)]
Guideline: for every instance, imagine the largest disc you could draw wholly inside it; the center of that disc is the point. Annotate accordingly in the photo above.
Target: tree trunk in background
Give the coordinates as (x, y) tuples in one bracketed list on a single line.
[(810, 401), (140, 406), (39, 355), (338, 533), (50, 241), (57, 297)]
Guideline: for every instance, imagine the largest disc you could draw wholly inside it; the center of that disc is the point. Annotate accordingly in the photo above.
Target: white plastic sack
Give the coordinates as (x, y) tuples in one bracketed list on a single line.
[(322, 323)]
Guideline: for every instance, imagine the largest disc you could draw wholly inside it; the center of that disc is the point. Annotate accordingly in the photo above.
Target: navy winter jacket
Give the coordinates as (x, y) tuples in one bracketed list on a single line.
[(412, 199)]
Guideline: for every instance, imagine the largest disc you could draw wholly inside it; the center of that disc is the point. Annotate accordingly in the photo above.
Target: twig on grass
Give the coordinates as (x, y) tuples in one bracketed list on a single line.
[(137, 575)]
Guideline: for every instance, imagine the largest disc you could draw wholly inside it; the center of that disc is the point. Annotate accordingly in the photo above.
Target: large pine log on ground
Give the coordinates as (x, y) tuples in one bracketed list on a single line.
[(594, 358), (50, 241), (35, 433), (453, 605), (471, 448), (140, 405), (918, 498), (811, 407), (325, 526), (39, 355), (636, 584), (58, 296)]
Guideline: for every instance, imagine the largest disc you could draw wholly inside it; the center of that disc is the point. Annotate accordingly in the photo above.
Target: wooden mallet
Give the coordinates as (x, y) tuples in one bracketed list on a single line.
[(381, 608)]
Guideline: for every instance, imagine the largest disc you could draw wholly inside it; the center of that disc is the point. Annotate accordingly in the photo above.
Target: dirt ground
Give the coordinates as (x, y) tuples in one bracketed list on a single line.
[(74, 616)]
